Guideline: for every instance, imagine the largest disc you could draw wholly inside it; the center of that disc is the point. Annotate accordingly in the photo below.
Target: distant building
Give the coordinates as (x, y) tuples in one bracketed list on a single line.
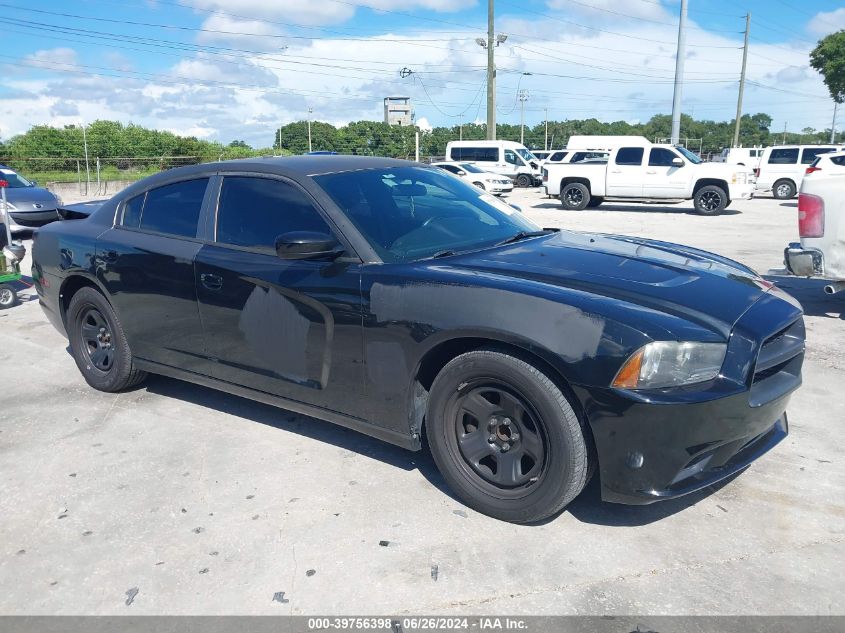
[(398, 111)]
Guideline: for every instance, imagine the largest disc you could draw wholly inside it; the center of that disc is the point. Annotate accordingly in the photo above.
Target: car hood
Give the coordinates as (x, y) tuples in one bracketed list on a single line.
[(26, 198), (702, 287)]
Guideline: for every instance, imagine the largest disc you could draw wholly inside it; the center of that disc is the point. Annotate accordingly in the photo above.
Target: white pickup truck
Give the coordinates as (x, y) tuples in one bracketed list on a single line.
[(640, 171)]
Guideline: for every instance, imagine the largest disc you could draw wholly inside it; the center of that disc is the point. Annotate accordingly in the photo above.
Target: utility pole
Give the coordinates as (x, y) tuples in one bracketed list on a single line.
[(742, 79), (522, 97), (491, 75), (310, 110), (833, 125), (679, 74), (546, 115), (784, 133), (87, 169)]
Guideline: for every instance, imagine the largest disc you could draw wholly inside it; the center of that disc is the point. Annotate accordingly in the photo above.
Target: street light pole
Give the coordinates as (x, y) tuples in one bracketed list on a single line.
[(833, 125), (546, 115), (742, 80), (491, 74), (523, 97), (87, 168), (310, 110)]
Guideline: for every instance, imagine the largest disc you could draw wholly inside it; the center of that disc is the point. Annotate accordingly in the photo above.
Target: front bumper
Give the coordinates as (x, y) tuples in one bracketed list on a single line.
[(23, 220), (803, 262), (662, 444)]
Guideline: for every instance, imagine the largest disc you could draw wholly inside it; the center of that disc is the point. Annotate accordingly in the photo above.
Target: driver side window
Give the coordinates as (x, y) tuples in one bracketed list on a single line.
[(660, 157), (511, 157)]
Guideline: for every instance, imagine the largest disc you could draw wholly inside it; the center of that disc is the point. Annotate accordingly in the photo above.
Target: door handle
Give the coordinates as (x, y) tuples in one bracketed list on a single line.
[(616, 171), (651, 172), (212, 282)]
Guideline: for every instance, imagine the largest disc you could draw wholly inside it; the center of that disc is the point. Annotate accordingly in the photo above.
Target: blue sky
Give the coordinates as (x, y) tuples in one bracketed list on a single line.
[(227, 69)]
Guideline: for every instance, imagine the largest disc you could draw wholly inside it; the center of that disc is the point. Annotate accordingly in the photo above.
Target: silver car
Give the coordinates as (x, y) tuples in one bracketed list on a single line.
[(29, 206)]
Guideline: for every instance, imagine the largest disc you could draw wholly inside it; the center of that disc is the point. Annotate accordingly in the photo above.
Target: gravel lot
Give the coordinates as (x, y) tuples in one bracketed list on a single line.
[(177, 499)]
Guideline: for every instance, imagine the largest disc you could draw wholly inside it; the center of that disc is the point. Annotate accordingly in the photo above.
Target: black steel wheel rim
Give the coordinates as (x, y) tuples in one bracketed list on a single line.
[(96, 339), (710, 200), (574, 196), (498, 436)]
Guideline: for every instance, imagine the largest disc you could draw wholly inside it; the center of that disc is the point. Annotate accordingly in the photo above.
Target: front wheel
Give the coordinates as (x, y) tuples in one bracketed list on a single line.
[(98, 344), (505, 437), (480, 185), (710, 200), (524, 180), (8, 296)]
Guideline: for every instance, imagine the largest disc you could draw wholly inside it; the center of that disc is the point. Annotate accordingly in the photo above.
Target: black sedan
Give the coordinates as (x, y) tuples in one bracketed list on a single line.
[(394, 299)]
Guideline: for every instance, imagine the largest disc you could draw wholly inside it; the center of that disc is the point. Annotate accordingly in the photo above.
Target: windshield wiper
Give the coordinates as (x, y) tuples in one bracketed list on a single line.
[(522, 235), (439, 254)]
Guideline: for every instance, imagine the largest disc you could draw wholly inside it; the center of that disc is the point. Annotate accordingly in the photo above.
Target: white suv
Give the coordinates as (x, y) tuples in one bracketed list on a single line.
[(782, 167), (484, 180)]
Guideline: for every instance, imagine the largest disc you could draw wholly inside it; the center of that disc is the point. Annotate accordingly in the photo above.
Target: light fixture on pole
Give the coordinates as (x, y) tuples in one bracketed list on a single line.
[(523, 97)]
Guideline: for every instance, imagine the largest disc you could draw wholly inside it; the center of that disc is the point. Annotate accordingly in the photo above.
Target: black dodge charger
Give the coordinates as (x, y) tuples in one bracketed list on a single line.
[(394, 299)]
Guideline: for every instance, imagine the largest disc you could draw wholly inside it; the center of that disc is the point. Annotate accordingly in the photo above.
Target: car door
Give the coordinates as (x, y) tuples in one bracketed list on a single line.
[(663, 179), (146, 264), (291, 328), (625, 173)]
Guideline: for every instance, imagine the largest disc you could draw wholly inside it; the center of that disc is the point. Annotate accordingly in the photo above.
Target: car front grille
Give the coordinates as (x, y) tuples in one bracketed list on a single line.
[(778, 367)]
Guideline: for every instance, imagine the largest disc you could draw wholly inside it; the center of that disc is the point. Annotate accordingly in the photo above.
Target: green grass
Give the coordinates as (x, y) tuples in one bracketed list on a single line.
[(106, 173)]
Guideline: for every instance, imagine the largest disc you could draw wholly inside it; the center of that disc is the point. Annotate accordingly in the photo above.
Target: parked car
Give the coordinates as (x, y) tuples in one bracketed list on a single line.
[(391, 298), (30, 206), (500, 157), (821, 224), (745, 156), (487, 181), (782, 168), (639, 171)]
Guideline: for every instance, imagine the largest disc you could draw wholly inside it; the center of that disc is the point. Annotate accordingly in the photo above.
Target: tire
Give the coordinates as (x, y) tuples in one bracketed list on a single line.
[(547, 464), (574, 196), (594, 202), (98, 344), (784, 189), (524, 180), (8, 296), (711, 200), (480, 185)]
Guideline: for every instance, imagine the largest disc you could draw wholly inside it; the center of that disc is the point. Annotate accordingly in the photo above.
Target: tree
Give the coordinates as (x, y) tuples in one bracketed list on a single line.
[(828, 58)]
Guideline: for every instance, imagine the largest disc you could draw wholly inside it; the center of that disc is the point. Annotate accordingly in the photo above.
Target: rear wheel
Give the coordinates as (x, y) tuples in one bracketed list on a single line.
[(710, 200), (784, 190), (574, 196), (524, 180), (8, 296), (480, 185), (505, 437), (98, 344)]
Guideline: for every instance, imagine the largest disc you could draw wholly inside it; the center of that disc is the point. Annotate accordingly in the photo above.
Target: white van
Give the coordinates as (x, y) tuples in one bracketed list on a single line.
[(500, 157), (745, 156), (782, 167)]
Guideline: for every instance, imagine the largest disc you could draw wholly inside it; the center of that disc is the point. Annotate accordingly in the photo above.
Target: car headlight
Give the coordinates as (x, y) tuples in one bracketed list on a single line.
[(664, 364)]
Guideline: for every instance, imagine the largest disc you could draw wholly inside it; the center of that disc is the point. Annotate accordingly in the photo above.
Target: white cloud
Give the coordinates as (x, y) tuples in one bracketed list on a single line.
[(249, 34), (827, 22), (53, 58), (610, 10), (424, 125)]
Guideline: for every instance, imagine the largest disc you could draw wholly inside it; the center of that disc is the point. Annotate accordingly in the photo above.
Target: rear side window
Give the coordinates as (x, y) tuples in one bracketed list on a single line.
[(810, 154), (253, 212), (838, 160), (630, 156), (660, 157), (557, 157), (174, 209), (132, 211), (784, 156), (486, 154), (451, 168), (579, 157)]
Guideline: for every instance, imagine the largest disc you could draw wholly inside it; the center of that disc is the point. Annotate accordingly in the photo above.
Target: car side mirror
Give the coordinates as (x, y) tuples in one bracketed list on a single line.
[(678, 162), (515, 206), (461, 172), (307, 245), (34, 183)]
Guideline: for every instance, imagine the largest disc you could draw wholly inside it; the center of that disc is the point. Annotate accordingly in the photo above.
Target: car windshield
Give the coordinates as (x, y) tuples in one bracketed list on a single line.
[(412, 213), (471, 168), (695, 160), (526, 154), (15, 180)]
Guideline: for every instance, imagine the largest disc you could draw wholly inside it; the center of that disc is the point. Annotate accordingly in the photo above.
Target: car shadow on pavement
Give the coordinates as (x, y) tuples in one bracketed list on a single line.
[(810, 293), (632, 208), (306, 426)]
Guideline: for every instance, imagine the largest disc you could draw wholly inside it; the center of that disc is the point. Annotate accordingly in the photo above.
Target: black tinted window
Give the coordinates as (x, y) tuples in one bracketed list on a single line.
[(451, 168), (838, 160), (488, 154), (255, 211), (630, 156), (558, 156), (660, 157), (810, 154), (132, 211), (580, 157), (784, 156), (174, 209)]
